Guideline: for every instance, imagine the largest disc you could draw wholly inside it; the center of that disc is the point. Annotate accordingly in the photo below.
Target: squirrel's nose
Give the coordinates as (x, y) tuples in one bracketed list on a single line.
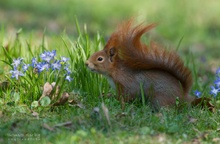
[(87, 63)]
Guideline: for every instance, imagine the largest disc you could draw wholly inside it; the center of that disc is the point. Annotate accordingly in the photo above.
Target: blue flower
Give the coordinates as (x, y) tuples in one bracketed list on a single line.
[(17, 62), (214, 91), (52, 54), (67, 69), (48, 56), (47, 62), (47, 59), (34, 62), (64, 59), (217, 82), (56, 65), (197, 93), (16, 73), (25, 67), (41, 66), (68, 78), (44, 56)]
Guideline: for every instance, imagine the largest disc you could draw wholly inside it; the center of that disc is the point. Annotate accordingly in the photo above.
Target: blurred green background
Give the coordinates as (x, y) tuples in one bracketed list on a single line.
[(196, 21), (194, 24)]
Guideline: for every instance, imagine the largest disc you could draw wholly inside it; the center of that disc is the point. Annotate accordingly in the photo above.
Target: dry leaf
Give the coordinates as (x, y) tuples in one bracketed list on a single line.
[(160, 138), (4, 85), (72, 101), (80, 105), (47, 89), (53, 84), (46, 126), (204, 102), (35, 114), (196, 141), (192, 120), (57, 92), (106, 113), (76, 102), (66, 124), (216, 140), (1, 114), (108, 95), (119, 115), (62, 100), (203, 135)]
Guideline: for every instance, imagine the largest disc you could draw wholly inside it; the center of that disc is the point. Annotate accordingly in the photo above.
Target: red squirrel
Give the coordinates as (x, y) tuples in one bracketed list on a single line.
[(132, 67)]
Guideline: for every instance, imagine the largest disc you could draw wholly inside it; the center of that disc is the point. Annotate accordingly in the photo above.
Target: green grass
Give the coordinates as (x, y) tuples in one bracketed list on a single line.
[(136, 124), (86, 121)]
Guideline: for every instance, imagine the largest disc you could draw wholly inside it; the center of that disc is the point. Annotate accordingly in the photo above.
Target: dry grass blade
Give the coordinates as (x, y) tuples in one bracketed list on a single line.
[(106, 113)]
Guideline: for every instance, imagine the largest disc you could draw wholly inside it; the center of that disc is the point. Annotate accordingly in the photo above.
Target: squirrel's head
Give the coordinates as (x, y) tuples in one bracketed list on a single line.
[(102, 61)]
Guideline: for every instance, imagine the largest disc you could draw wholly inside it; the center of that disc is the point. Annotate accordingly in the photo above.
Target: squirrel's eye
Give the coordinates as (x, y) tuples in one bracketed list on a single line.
[(100, 59)]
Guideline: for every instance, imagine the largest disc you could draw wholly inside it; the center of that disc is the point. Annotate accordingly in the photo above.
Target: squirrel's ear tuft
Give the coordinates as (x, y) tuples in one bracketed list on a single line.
[(112, 53), (138, 31)]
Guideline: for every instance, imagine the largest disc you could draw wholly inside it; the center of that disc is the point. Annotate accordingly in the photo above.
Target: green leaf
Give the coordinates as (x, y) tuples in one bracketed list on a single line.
[(45, 101), (145, 130), (16, 96), (1, 101), (177, 101), (7, 55), (34, 104), (173, 128), (22, 109)]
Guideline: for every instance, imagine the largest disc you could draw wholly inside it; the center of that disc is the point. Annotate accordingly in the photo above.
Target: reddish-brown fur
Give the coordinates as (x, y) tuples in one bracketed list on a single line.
[(131, 66)]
